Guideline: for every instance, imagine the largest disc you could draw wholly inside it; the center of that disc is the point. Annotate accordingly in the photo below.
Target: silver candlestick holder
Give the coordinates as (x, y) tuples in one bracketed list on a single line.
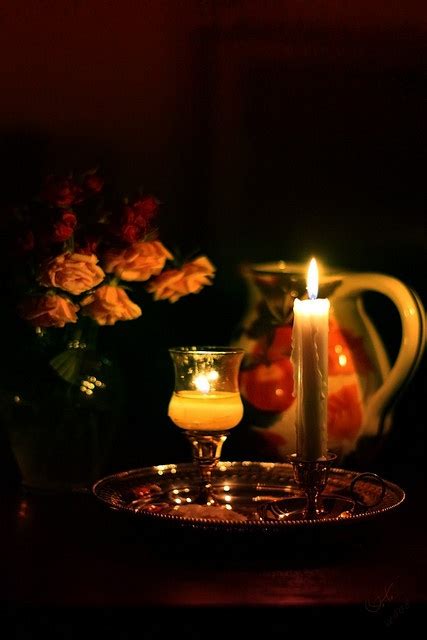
[(311, 478)]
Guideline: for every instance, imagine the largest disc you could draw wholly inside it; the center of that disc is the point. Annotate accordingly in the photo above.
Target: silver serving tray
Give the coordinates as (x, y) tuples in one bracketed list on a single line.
[(244, 491)]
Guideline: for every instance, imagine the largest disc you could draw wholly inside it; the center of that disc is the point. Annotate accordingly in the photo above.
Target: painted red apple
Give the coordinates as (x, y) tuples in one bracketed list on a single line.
[(347, 353), (344, 413), (269, 387), (278, 347)]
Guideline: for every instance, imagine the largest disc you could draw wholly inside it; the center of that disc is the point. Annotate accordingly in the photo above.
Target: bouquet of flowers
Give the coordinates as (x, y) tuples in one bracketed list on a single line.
[(79, 252)]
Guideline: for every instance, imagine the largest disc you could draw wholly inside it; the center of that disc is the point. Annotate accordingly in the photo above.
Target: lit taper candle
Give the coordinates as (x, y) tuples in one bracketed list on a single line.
[(310, 362)]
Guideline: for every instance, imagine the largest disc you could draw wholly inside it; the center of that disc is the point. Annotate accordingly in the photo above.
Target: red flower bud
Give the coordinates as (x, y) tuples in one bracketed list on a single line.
[(128, 215), (61, 193), (69, 218), (63, 229), (88, 245), (144, 210), (128, 230), (130, 233), (93, 183)]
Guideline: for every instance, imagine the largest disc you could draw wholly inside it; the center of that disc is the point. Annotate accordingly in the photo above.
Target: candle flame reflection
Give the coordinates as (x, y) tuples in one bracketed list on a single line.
[(202, 383), (313, 280)]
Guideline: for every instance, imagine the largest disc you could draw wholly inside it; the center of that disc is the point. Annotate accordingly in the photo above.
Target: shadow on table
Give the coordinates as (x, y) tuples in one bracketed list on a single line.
[(90, 529), (293, 548)]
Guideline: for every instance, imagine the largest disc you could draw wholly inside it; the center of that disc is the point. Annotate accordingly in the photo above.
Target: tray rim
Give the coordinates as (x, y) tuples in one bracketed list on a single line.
[(248, 525)]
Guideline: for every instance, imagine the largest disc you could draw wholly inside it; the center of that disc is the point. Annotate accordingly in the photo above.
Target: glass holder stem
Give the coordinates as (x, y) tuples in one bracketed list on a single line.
[(206, 449)]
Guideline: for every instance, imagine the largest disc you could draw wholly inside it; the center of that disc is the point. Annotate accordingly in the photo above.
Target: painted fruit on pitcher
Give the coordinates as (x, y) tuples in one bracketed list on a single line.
[(267, 384), (361, 383)]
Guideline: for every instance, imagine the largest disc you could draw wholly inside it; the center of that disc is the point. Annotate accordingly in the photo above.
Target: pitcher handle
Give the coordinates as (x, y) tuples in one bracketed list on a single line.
[(413, 319)]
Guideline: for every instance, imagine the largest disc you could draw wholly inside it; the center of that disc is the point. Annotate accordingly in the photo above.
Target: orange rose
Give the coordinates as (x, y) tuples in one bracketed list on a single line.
[(48, 311), (138, 262), (172, 285), (72, 272), (108, 304)]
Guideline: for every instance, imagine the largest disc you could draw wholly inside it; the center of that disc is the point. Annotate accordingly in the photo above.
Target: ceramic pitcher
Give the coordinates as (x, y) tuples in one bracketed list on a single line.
[(361, 381)]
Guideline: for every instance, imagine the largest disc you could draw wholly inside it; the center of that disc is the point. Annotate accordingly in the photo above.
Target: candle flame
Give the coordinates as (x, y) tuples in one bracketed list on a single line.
[(202, 383), (313, 280)]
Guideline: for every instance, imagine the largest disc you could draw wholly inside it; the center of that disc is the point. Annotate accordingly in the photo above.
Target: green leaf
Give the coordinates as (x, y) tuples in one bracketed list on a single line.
[(68, 365)]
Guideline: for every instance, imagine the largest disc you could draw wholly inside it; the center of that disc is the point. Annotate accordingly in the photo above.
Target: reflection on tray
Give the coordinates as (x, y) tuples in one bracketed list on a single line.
[(248, 495)]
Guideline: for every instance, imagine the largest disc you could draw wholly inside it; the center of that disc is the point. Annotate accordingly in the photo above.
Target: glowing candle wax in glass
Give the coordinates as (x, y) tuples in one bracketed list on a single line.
[(206, 403), (206, 408)]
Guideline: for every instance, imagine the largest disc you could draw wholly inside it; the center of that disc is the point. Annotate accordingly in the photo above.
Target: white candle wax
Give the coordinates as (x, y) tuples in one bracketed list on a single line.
[(310, 362), (202, 411)]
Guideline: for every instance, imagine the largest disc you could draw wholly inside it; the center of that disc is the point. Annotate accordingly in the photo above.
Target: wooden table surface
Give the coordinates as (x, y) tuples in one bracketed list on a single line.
[(71, 551)]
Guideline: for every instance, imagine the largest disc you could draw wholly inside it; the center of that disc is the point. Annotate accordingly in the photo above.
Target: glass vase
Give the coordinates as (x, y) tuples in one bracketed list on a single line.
[(61, 406)]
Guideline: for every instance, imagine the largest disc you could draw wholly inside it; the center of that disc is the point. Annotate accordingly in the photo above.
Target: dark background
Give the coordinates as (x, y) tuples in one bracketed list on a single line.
[(269, 130)]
